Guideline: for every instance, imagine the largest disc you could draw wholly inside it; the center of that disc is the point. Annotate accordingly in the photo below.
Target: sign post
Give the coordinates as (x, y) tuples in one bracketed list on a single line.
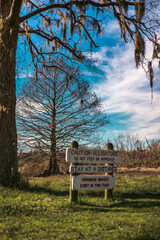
[(98, 161), (73, 194), (109, 192)]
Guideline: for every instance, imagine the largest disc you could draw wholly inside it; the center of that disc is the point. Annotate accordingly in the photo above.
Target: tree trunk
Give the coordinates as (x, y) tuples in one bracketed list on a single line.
[(8, 136), (53, 168)]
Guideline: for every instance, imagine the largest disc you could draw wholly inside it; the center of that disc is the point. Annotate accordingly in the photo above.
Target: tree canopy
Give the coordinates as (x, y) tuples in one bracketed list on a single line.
[(60, 27)]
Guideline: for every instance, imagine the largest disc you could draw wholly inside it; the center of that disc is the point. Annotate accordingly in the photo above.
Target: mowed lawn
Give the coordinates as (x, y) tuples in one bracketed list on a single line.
[(42, 211)]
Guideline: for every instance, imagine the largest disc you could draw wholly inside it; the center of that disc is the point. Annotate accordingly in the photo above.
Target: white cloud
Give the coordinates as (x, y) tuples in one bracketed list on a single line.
[(111, 28), (126, 91)]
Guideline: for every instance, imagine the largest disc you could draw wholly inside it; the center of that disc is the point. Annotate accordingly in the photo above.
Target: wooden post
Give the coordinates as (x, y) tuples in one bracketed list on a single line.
[(73, 194), (109, 192)]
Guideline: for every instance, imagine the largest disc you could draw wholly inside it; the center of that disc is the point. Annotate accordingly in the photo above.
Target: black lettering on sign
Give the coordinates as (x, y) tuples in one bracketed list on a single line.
[(105, 179)]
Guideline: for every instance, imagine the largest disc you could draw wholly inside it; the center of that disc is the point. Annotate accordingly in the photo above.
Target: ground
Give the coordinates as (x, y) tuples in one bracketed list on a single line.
[(139, 171)]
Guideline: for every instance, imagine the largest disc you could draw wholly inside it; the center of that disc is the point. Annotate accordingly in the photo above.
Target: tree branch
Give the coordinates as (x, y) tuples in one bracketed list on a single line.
[(50, 38), (71, 3), (14, 12)]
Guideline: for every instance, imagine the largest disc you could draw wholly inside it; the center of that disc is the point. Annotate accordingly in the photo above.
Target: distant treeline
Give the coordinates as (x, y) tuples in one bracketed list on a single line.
[(137, 153)]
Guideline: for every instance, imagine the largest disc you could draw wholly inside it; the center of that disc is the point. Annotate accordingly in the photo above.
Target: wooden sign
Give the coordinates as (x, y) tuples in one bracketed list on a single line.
[(92, 169), (93, 182), (74, 155)]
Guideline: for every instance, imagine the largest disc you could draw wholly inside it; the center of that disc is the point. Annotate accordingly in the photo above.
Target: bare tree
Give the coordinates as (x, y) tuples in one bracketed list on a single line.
[(138, 153), (62, 25), (54, 110)]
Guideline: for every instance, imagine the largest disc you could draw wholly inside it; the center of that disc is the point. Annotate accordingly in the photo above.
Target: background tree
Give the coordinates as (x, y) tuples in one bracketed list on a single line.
[(54, 110), (58, 27), (137, 152)]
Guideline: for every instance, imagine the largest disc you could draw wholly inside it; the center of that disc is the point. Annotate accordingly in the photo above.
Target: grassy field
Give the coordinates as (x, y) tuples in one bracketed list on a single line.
[(42, 211)]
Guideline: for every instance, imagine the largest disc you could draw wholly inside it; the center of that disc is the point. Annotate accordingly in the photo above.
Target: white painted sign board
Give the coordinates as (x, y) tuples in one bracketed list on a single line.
[(74, 155), (92, 169), (93, 182)]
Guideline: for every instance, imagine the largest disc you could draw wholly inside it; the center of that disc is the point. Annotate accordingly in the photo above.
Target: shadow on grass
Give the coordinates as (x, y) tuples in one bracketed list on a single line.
[(121, 202), (138, 204), (126, 195), (147, 236), (145, 195), (123, 199), (120, 206), (45, 190)]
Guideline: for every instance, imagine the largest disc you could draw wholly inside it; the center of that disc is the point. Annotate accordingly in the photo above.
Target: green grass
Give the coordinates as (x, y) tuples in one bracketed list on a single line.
[(42, 211)]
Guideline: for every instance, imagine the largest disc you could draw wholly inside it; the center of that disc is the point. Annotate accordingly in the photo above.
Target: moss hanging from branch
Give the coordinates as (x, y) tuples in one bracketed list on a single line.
[(140, 9), (150, 70), (139, 47)]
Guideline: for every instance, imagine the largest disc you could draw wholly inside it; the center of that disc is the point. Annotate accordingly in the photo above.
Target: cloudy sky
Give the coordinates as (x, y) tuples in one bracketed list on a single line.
[(125, 90)]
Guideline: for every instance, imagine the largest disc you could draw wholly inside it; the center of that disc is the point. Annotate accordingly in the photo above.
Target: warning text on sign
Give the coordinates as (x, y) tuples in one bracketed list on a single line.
[(92, 182), (92, 156), (92, 169)]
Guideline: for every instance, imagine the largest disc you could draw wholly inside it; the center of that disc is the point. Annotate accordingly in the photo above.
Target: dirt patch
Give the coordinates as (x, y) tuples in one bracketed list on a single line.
[(50, 178), (139, 171)]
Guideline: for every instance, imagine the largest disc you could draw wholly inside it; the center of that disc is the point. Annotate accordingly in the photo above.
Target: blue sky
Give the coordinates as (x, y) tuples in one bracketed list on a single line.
[(125, 90)]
